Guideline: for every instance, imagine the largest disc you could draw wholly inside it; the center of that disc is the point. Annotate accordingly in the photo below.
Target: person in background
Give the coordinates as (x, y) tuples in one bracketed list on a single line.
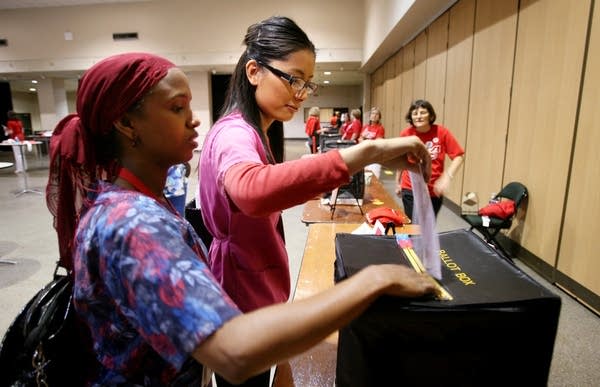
[(345, 123), (142, 285), (374, 129), (176, 186), (16, 133), (14, 127), (353, 130), (313, 128), (335, 122), (440, 142), (244, 190)]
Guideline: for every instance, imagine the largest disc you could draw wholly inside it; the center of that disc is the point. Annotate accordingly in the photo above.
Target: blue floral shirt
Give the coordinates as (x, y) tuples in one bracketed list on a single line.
[(142, 286)]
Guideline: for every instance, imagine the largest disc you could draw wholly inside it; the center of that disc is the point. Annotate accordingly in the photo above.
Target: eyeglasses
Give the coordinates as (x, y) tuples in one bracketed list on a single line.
[(298, 84)]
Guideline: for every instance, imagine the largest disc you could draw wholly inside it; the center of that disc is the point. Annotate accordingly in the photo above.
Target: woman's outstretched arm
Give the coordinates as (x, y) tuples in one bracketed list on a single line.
[(251, 343)]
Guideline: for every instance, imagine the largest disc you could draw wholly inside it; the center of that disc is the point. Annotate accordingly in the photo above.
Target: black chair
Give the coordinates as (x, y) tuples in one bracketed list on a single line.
[(514, 191), (327, 137), (355, 188), (329, 144)]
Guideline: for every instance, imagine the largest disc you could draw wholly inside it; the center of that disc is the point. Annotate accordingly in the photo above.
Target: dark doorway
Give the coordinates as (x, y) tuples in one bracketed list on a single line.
[(219, 85), (5, 106)]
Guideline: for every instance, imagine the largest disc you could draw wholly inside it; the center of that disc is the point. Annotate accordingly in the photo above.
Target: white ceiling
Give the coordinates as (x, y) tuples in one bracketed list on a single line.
[(342, 73), (13, 4)]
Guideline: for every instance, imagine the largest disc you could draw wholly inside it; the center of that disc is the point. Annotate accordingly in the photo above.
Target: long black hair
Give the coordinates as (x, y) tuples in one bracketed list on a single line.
[(272, 39)]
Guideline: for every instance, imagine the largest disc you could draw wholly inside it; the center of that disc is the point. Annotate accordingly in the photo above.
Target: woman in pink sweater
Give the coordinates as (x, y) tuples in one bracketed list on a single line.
[(243, 191)]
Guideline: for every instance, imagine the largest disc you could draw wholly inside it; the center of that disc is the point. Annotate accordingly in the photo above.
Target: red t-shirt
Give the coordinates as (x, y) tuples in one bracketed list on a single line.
[(312, 126), (440, 143), (353, 128), (344, 127), (373, 131), (16, 127), (333, 121)]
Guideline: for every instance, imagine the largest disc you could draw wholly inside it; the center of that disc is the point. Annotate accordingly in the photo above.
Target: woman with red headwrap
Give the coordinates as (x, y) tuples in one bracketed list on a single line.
[(141, 282)]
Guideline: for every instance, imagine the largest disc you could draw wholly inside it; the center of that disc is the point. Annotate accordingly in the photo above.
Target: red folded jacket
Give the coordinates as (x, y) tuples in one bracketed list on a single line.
[(385, 215), (503, 209)]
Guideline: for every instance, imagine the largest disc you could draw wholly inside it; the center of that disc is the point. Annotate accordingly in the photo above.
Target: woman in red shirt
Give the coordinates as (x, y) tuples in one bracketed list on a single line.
[(15, 127), (313, 128), (352, 131), (14, 131), (345, 122), (440, 142), (373, 129)]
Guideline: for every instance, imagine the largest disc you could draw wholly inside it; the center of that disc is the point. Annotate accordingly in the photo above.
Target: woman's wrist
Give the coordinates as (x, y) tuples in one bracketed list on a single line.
[(377, 282)]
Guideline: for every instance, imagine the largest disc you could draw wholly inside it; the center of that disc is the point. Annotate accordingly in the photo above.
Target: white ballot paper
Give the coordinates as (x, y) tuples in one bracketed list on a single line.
[(428, 246)]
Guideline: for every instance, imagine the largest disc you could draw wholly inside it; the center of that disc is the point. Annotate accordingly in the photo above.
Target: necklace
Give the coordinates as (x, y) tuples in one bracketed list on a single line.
[(139, 185)]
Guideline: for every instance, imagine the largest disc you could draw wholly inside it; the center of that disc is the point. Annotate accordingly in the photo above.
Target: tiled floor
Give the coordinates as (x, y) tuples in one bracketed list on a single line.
[(27, 238)]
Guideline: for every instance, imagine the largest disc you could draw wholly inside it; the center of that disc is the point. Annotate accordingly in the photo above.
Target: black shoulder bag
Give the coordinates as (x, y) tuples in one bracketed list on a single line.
[(46, 345)]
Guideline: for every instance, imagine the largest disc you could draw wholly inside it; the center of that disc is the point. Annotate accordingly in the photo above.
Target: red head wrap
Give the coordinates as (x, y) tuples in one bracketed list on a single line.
[(106, 92)]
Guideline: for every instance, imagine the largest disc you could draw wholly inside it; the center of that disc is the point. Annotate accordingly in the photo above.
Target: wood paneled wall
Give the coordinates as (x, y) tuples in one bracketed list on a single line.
[(578, 256), (435, 78), (491, 72), (547, 77), (394, 125), (461, 25), (408, 75), (420, 65), (517, 83)]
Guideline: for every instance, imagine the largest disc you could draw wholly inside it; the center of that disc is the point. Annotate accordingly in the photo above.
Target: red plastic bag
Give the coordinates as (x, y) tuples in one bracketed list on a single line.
[(503, 209)]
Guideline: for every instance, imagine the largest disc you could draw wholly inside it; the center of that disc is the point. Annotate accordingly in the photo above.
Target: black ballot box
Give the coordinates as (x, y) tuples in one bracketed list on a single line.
[(497, 330)]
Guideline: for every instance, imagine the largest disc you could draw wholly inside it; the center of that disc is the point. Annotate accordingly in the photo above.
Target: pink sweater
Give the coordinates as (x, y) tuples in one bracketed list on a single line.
[(242, 196)]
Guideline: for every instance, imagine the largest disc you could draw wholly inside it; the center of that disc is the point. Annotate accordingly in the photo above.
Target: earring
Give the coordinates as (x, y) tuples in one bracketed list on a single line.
[(135, 140)]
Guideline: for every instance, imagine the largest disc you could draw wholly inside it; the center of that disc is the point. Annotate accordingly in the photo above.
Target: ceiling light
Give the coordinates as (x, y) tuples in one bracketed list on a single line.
[(32, 89), (327, 72), (34, 81), (326, 82)]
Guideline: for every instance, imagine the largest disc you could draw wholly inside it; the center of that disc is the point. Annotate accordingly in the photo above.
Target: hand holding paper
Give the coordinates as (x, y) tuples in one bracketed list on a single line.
[(428, 246)]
